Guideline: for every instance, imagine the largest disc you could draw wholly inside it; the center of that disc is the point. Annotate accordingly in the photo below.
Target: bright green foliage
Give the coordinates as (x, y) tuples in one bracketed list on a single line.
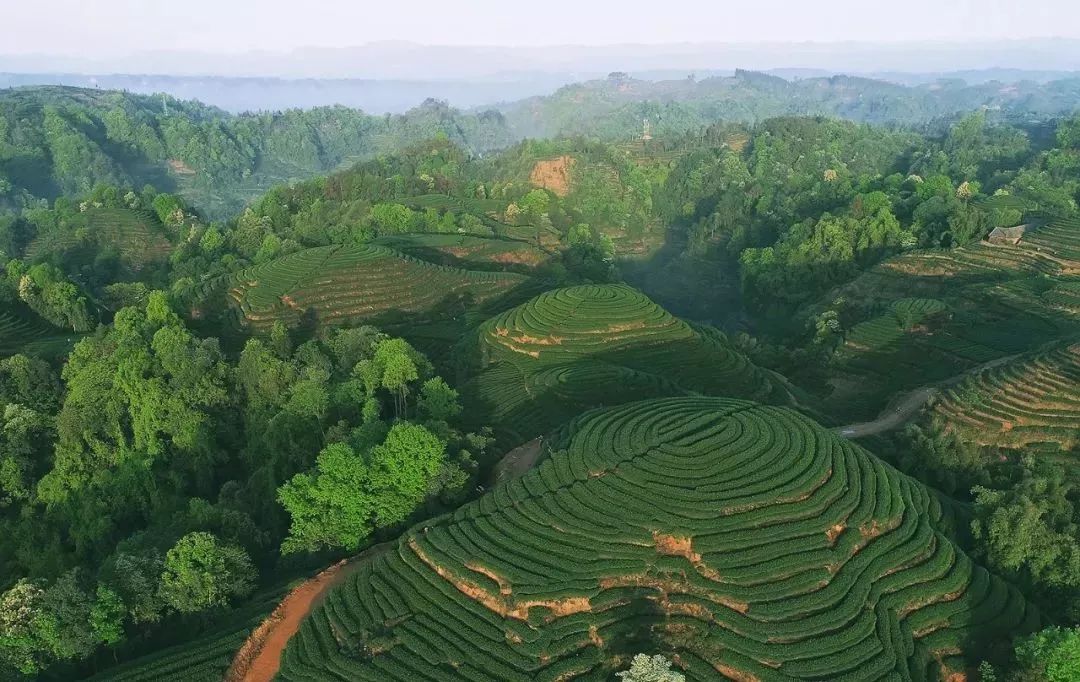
[(351, 493), (201, 572), (402, 468), (645, 668), (1053, 653), (743, 539), (394, 366), (437, 401), (107, 616), (146, 391), (331, 506)]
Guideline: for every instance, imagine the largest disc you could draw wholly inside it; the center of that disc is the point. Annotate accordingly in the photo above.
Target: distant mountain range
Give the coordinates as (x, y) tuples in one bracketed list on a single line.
[(410, 61), (239, 94)]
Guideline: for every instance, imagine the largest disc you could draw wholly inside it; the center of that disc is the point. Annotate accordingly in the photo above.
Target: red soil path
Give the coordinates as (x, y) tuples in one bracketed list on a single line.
[(260, 657)]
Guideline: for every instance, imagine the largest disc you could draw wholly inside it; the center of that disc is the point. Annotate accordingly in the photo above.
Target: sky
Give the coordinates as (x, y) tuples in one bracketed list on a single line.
[(107, 28)]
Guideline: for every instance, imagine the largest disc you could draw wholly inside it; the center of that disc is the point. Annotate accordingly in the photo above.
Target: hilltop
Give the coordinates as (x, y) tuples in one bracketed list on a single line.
[(743, 541), (539, 364)]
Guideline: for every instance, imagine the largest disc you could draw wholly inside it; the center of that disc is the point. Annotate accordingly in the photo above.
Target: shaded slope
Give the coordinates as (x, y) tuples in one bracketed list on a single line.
[(334, 285)]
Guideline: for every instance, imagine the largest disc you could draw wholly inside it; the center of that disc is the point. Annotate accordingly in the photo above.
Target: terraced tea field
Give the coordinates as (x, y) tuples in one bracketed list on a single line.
[(135, 234), (25, 332), (206, 658), (470, 252), (1035, 400), (1000, 301), (567, 350), (334, 285), (742, 541)]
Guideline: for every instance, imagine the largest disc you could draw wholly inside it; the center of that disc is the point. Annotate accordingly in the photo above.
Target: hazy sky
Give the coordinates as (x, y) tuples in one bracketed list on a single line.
[(100, 28)]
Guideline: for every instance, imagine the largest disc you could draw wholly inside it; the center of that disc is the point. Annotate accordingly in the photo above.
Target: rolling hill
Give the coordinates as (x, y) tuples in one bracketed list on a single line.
[(980, 303), (743, 541), (1027, 401), (335, 285), (563, 351)]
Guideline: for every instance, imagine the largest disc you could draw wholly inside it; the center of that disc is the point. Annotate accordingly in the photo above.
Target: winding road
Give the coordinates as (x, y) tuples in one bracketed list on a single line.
[(900, 411), (893, 416)]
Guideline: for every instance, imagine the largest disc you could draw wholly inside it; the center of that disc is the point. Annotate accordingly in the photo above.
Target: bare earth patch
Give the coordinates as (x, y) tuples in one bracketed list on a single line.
[(733, 674), (258, 660), (502, 604), (180, 168), (553, 174)]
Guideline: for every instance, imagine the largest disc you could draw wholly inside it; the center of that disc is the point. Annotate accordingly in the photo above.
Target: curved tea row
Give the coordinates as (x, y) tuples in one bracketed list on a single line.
[(570, 349), (338, 284), (743, 541), (1029, 401)]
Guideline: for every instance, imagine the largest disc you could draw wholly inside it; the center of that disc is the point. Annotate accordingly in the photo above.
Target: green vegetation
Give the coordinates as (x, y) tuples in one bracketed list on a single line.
[(744, 540), (1035, 400), (1000, 300), (58, 141), (160, 458), (201, 404), (336, 285), (615, 106), (567, 350)]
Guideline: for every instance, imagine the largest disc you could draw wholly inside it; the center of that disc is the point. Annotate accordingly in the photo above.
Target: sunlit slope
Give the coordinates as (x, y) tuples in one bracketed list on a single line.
[(544, 361), (743, 541), (1029, 400)]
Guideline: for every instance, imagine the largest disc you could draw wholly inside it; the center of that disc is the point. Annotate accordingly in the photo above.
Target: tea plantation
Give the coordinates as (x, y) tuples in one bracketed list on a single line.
[(742, 541), (344, 284), (24, 332), (992, 301), (136, 235), (1036, 400), (563, 351), (469, 251)]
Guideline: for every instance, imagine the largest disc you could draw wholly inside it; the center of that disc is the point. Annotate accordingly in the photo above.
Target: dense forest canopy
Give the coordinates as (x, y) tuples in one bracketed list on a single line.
[(57, 141), (214, 381)]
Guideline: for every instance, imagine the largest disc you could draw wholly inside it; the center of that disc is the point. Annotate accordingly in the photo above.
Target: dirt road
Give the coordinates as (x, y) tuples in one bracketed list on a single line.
[(260, 657), (892, 417), (901, 410)]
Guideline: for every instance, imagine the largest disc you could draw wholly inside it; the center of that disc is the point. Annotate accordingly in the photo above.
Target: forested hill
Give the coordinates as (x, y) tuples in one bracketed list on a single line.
[(57, 141), (617, 104)]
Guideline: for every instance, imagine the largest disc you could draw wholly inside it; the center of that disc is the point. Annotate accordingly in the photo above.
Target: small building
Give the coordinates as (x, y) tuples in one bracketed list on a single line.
[(1007, 235)]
